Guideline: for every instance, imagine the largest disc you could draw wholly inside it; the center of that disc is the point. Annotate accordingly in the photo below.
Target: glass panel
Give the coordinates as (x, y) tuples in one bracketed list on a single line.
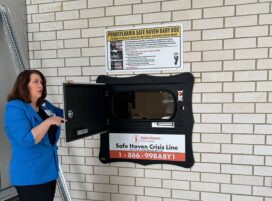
[(150, 105)]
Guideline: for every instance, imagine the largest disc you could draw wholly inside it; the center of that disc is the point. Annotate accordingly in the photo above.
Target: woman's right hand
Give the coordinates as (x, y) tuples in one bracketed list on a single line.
[(55, 120), (40, 130)]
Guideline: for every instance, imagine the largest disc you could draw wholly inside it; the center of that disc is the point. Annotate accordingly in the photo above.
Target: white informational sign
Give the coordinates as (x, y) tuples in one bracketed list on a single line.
[(163, 147), (157, 47)]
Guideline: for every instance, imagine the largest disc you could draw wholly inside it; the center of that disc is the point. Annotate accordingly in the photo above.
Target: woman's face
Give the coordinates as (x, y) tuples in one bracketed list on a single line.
[(35, 87)]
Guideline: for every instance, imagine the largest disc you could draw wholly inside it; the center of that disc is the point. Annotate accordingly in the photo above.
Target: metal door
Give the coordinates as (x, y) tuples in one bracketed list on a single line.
[(85, 110)]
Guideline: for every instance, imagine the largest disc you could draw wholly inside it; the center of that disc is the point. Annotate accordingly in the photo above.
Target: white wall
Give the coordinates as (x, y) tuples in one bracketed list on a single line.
[(227, 46)]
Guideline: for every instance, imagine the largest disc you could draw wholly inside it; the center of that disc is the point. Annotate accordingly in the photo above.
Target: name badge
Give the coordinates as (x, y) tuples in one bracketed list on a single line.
[(49, 113)]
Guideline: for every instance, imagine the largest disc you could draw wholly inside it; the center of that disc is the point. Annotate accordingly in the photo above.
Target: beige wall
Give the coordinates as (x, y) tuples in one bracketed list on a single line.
[(227, 47)]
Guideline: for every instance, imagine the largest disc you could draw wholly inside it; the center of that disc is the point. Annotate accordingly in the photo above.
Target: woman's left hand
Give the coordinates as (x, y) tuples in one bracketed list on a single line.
[(68, 81)]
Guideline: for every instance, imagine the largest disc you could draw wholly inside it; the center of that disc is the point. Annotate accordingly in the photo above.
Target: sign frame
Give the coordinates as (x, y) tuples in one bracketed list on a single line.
[(144, 48)]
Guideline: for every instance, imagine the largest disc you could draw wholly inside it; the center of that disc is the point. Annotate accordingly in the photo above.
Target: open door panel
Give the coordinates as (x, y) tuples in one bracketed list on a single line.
[(142, 119), (85, 110)]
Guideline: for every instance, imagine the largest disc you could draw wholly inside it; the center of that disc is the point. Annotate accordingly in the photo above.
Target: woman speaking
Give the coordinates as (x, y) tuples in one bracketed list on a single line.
[(32, 125)]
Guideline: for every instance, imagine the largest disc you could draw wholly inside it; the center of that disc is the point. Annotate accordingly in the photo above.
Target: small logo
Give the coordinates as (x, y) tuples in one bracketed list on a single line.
[(176, 57), (136, 138), (180, 95)]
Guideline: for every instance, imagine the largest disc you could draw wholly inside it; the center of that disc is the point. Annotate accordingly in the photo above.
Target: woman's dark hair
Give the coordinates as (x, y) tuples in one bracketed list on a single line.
[(20, 89)]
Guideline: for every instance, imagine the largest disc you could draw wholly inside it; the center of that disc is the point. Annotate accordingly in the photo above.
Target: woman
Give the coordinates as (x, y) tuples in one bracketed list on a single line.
[(32, 125)]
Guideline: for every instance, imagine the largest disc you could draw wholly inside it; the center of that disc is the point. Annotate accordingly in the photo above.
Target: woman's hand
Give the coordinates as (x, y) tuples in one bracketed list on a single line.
[(40, 130), (55, 120), (68, 81)]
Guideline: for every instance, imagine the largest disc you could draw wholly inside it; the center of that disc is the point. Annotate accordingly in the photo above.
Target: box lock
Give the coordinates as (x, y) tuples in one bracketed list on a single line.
[(70, 114)]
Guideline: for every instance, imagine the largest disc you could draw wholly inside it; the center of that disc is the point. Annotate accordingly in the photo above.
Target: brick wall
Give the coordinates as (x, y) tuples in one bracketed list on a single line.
[(228, 48)]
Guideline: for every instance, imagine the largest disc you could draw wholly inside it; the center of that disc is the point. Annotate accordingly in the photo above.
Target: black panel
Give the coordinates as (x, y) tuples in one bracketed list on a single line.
[(85, 110), (182, 117)]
